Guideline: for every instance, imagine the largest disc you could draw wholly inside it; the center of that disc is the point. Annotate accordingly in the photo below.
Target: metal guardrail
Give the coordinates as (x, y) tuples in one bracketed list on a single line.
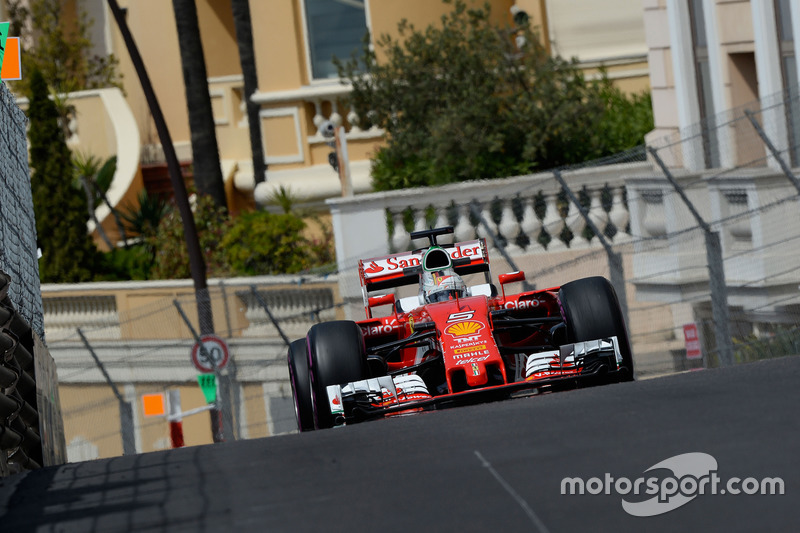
[(31, 433), (17, 224)]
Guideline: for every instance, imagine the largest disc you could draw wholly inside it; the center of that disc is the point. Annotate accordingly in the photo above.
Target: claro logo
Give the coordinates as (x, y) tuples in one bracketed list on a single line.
[(691, 474)]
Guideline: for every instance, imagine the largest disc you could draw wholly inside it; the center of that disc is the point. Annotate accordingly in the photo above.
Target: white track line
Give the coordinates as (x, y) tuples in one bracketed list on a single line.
[(522, 503)]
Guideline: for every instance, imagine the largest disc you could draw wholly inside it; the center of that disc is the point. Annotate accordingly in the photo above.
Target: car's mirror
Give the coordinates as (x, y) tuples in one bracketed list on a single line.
[(383, 299), (511, 277)]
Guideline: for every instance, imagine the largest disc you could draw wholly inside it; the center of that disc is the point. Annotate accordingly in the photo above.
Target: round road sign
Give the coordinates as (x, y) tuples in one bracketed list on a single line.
[(215, 355)]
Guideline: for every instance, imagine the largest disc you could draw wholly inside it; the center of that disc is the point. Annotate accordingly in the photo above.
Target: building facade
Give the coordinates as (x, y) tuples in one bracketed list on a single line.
[(710, 58), (298, 87)]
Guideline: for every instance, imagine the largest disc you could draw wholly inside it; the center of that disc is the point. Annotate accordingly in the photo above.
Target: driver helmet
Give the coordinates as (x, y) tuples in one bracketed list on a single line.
[(439, 281)]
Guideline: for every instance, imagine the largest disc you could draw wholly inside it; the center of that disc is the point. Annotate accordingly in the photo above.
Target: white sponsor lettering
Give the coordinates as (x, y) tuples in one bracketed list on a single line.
[(381, 329), (522, 304), (381, 267), (463, 340), (471, 355), (470, 360), (466, 315)]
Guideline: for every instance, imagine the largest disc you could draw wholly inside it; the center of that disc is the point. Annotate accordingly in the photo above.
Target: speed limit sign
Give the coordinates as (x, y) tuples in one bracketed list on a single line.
[(214, 357)]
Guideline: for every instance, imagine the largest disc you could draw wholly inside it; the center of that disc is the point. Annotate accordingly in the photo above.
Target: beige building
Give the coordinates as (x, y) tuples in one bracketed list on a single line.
[(711, 56), (298, 86), (134, 327)]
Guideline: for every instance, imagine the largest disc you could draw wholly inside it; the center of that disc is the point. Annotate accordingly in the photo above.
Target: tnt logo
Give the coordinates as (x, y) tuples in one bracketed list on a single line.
[(10, 59)]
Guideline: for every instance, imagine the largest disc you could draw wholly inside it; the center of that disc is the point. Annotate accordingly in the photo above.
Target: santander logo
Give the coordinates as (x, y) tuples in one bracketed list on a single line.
[(373, 268)]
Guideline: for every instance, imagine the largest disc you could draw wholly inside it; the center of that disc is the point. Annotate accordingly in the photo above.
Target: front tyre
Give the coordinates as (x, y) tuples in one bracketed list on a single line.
[(591, 311), (336, 356), (301, 385)]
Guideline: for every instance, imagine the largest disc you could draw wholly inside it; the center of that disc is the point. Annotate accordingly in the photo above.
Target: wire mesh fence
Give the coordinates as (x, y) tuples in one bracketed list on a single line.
[(17, 224), (654, 209)]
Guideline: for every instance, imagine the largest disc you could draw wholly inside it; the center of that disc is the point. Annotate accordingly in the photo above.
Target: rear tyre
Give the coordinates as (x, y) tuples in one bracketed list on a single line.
[(301, 385), (591, 311), (336, 356)]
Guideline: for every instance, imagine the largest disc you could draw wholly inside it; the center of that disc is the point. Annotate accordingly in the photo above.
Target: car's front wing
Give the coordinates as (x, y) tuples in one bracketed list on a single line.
[(387, 395)]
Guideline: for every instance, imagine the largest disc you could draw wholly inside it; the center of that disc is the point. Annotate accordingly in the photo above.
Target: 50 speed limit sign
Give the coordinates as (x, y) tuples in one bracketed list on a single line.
[(215, 355)]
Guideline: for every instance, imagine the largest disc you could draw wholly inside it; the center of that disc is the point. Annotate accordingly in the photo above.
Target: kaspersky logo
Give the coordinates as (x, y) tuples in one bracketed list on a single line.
[(10, 68)]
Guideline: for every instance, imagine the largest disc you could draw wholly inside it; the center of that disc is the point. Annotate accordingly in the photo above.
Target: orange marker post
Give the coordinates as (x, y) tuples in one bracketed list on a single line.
[(12, 60), (153, 404)]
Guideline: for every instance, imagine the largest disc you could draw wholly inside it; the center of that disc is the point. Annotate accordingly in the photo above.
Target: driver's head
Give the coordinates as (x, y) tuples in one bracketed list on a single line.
[(442, 285), (439, 281)]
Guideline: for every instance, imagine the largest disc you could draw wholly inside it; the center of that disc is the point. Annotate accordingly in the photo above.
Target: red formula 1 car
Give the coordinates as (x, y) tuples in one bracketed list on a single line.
[(451, 343)]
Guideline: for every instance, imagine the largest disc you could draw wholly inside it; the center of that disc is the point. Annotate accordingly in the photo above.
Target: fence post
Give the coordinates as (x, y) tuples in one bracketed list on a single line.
[(217, 418), (232, 382), (716, 273), (616, 269), (125, 408)]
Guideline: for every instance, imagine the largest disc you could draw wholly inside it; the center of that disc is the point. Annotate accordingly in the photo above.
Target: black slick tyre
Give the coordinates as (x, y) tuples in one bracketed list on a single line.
[(336, 356), (301, 385), (591, 311)]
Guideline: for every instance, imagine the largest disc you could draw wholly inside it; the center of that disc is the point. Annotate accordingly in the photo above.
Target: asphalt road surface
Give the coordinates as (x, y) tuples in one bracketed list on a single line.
[(490, 467)]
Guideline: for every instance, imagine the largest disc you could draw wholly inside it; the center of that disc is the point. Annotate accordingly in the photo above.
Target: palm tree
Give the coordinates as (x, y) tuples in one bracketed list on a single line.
[(244, 39), (205, 153)]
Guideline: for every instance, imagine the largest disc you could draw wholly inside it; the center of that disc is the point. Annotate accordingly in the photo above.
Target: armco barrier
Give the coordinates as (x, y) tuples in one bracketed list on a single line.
[(31, 431)]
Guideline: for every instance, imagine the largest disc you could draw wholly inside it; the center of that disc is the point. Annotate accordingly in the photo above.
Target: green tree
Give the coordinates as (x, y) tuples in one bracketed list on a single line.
[(63, 53), (466, 100), (68, 253), (264, 243), (171, 256)]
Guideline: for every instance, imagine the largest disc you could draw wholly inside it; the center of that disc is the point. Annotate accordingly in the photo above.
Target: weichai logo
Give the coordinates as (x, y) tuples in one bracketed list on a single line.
[(10, 59), (459, 329)]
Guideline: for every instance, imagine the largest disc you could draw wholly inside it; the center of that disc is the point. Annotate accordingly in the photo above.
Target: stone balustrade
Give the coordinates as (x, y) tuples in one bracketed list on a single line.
[(144, 310), (314, 180), (295, 310), (528, 213), (529, 220)]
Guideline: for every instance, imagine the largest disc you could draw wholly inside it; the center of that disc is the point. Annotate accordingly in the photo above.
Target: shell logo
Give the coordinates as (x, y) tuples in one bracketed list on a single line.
[(463, 328)]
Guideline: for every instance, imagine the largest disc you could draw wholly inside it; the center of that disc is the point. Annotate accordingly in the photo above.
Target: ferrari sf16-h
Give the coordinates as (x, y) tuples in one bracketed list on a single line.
[(452, 344)]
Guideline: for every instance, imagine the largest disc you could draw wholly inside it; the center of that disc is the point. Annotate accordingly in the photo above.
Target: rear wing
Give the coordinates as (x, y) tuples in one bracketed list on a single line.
[(403, 268)]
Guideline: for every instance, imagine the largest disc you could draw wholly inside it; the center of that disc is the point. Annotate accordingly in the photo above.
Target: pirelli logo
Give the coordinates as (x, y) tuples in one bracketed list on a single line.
[(470, 349)]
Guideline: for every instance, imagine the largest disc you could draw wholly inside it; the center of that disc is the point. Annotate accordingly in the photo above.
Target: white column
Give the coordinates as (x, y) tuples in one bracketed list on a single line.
[(770, 79), (359, 232), (727, 155), (131, 397), (681, 47)]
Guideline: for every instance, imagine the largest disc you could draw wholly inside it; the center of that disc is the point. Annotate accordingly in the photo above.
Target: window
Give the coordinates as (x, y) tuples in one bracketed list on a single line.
[(334, 28), (789, 73), (703, 74)]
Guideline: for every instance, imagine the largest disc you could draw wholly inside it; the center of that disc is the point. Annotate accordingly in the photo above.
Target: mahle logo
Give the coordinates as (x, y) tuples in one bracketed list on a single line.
[(693, 474)]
